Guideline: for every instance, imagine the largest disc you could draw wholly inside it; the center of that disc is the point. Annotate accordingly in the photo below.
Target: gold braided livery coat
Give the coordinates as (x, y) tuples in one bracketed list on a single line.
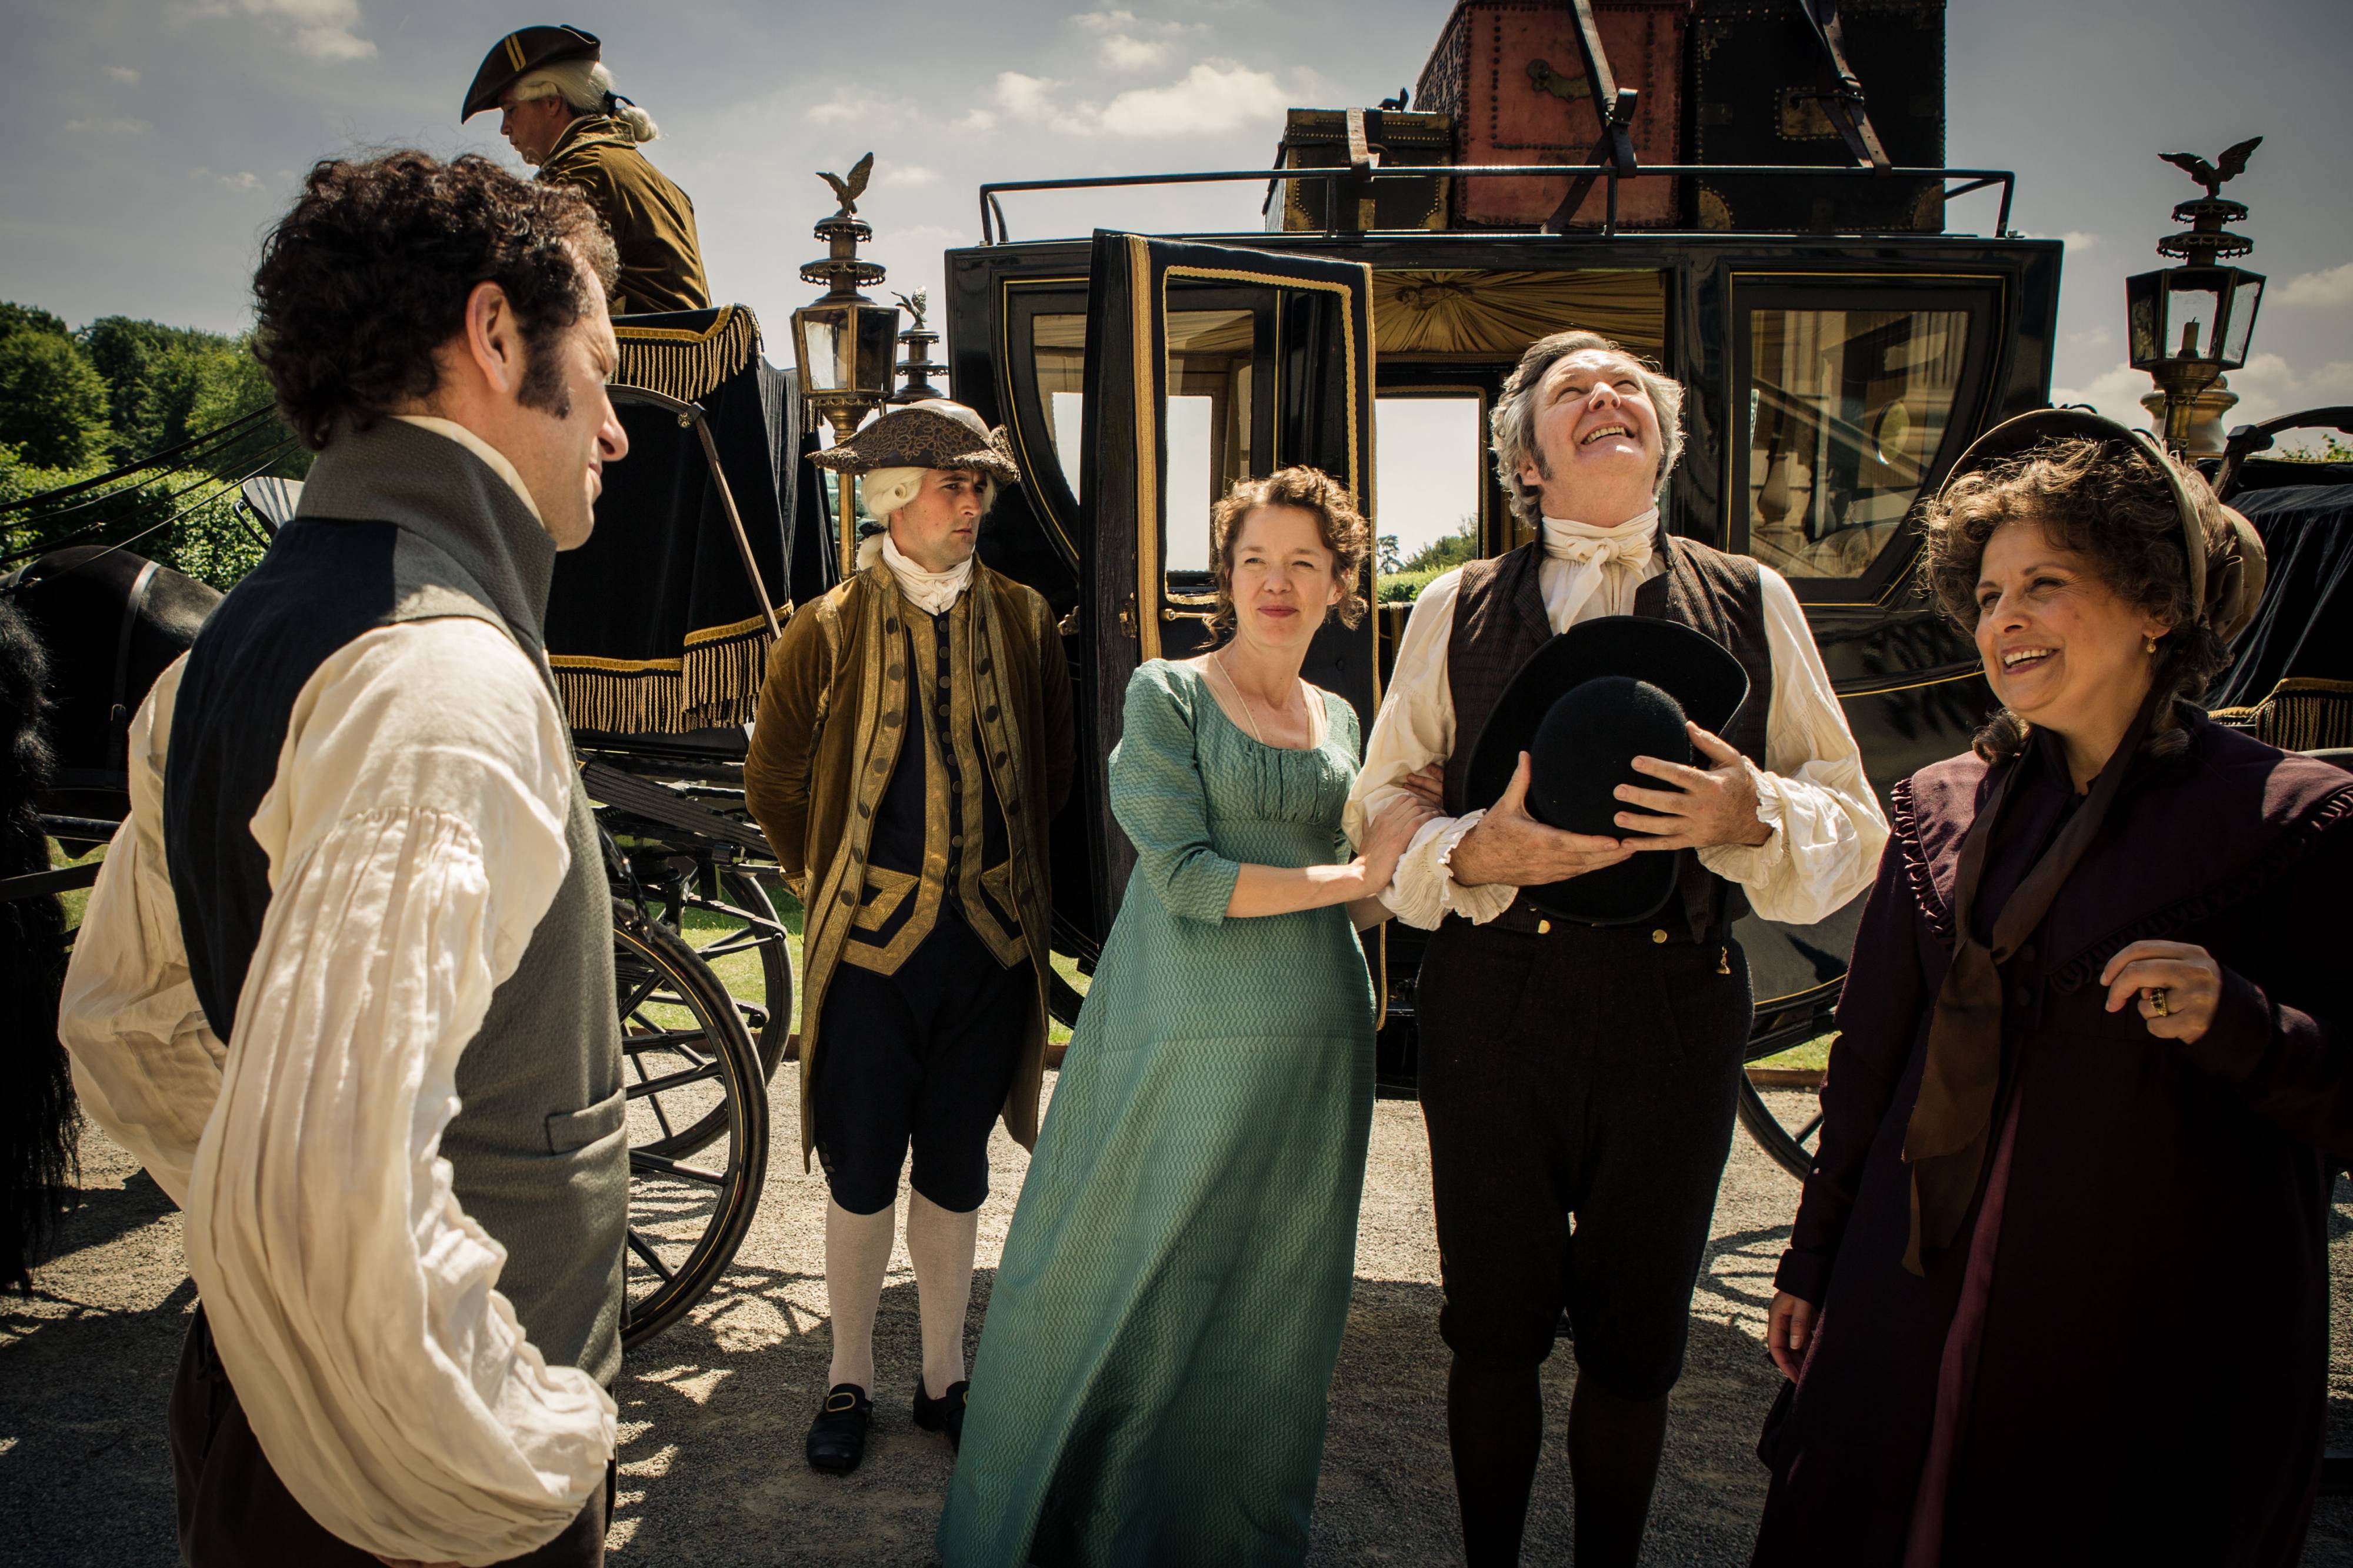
[(651, 219), (837, 699)]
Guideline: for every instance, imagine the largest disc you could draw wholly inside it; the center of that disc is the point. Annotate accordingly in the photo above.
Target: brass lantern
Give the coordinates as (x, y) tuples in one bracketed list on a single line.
[(843, 342), (2186, 325)]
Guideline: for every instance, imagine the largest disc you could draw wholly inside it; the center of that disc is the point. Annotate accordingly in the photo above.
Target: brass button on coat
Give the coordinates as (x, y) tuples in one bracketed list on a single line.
[(1660, 935)]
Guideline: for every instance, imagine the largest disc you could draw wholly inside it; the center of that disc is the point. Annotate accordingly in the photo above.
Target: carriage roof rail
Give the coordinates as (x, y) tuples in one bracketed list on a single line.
[(994, 231)]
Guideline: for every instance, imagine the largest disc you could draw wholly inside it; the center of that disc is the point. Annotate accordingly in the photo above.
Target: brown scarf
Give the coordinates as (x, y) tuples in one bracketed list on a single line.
[(1952, 1121)]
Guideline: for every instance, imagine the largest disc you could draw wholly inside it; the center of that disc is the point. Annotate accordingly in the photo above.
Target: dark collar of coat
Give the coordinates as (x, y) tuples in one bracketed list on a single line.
[(588, 131), (2192, 834), (427, 485)]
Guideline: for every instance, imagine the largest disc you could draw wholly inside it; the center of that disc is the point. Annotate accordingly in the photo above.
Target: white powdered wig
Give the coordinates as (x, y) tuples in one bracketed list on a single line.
[(586, 88)]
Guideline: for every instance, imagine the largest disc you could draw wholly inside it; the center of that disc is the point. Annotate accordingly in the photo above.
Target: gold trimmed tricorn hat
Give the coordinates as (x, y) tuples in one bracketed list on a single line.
[(520, 53), (932, 434)]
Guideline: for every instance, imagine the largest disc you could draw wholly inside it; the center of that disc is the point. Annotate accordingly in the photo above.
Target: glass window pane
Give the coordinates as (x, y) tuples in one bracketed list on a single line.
[(1847, 410), (1208, 415), (1058, 350), (1430, 459)]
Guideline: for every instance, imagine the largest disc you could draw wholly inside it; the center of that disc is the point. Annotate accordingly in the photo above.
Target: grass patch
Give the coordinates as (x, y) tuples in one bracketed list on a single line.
[(1812, 1056)]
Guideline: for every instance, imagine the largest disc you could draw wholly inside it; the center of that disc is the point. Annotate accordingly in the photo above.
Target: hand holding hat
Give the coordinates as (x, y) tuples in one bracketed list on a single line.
[(1701, 807), (1511, 846)]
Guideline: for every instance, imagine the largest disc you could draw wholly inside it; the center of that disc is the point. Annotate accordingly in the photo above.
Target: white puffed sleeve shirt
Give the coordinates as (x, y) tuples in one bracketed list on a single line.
[(1827, 829), (414, 834)]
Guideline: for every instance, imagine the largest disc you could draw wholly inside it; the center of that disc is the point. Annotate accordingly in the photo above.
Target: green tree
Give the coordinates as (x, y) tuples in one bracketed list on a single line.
[(52, 402)]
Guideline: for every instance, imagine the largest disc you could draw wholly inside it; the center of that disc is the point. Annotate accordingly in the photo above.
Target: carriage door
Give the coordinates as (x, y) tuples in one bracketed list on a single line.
[(1206, 365)]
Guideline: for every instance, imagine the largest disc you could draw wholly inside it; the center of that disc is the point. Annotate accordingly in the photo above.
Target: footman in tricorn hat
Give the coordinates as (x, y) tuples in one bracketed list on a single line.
[(1639, 744), (913, 743), (557, 106)]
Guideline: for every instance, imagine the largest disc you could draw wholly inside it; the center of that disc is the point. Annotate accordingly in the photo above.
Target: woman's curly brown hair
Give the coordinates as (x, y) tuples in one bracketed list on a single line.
[(2103, 500), (369, 274), (1344, 530)]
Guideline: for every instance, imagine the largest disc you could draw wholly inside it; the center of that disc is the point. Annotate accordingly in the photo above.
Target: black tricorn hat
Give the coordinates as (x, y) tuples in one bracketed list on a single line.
[(1583, 707), (518, 53)]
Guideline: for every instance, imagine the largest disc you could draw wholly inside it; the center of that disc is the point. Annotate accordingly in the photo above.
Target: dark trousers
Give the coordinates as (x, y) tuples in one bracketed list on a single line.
[(236, 1513), (923, 1056), (1592, 1073)]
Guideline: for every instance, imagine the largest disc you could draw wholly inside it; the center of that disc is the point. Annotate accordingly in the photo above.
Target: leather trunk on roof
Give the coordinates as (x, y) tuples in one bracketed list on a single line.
[(1510, 74), (1756, 66), (1318, 138)]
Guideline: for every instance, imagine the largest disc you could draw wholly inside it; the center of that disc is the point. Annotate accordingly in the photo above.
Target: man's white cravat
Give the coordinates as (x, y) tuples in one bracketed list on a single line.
[(1598, 558), (933, 592)]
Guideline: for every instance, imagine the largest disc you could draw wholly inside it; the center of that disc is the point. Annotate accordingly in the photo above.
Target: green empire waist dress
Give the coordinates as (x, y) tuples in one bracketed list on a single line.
[(1152, 1379)]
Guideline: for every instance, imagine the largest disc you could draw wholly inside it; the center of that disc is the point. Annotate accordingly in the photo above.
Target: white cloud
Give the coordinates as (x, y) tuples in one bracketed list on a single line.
[(1121, 52), (122, 73), (2074, 239), (847, 109), (2092, 338), (906, 175), (977, 119), (2331, 287), (323, 29), (2267, 386), (1104, 21), (1214, 95), (107, 127), (1033, 100)]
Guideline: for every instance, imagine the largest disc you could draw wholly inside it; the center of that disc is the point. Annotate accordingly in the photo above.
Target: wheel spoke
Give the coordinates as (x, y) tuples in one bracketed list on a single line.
[(652, 1262), (655, 1164), (1810, 1127), (637, 999), (659, 1086), (670, 1039)]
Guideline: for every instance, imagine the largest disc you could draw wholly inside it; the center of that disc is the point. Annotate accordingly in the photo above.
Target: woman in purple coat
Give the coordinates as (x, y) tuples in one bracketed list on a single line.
[(2058, 1290)]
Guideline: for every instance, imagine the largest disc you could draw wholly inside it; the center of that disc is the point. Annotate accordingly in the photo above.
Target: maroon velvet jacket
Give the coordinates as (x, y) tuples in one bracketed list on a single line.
[(2148, 1380)]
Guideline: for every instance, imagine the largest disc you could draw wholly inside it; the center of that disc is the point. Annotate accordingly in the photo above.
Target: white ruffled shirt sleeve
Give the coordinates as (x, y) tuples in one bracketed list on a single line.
[(1414, 729), (1827, 827), (414, 837)]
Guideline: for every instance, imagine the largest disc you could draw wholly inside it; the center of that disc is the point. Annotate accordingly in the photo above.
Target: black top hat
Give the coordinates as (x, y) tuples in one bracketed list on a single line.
[(518, 53), (1583, 707)]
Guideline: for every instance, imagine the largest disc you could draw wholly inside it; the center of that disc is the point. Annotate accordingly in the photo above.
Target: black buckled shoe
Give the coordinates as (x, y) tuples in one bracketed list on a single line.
[(837, 1439), (944, 1414)]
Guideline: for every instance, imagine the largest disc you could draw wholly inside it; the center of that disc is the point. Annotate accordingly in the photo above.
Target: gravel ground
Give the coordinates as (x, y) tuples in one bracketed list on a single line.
[(713, 1412)]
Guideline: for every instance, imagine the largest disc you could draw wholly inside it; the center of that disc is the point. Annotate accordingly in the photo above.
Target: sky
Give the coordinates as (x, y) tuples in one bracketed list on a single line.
[(150, 142)]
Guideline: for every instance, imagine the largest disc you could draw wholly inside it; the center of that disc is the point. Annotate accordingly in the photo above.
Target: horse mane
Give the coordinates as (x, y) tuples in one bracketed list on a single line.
[(40, 1120)]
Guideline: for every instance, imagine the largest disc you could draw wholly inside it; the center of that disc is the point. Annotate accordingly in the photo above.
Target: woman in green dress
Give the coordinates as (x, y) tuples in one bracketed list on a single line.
[(1152, 1379)]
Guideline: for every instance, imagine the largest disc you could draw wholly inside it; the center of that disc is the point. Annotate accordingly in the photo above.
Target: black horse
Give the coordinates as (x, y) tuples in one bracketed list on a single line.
[(83, 635)]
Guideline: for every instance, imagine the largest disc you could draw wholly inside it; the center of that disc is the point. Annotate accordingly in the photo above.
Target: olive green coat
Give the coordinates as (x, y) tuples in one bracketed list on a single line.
[(833, 706), (651, 219)]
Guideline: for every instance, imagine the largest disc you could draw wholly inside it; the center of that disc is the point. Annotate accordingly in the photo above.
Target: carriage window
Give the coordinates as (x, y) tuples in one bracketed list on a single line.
[(1058, 349), (1847, 411), (1210, 357), (1429, 467)]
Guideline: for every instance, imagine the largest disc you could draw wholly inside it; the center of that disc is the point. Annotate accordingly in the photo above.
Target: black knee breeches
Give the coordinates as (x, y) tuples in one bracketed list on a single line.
[(923, 1058), (1587, 1073)]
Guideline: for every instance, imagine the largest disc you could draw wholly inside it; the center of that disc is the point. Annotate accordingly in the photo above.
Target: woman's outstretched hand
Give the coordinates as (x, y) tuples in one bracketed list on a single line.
[(2177, 983), (1789, 1329)]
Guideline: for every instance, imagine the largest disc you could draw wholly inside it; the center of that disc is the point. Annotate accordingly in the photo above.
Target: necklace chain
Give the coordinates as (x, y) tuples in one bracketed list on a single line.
[(1218, 658)]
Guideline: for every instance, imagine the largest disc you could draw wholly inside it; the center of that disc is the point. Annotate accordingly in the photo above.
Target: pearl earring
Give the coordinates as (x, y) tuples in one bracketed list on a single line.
[(2148, 645)]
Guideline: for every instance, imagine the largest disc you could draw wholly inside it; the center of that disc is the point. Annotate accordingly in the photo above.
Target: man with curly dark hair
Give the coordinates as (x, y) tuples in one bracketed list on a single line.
[(345, 985)]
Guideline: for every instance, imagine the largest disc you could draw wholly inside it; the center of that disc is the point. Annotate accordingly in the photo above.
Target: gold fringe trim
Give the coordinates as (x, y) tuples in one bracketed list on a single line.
[(717, 682), (683, 364), (2305, 713)]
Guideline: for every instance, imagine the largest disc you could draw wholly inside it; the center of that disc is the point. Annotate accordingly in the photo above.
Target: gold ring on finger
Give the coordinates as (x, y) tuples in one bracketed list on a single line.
[(2156, 1003)]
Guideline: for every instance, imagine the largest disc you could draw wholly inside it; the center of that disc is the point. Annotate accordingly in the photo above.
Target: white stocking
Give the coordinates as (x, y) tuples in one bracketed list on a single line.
[(857, 1255), (941, 1245)]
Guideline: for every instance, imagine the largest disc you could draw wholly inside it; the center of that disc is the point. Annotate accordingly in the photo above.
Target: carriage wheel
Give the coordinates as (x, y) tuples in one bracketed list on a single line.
[(1790, 1142), (690, 1064), (768, 1022)]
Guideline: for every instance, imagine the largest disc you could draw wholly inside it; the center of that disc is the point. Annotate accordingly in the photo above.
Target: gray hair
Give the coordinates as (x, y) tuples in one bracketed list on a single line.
[(1512, 428), (586, 88)]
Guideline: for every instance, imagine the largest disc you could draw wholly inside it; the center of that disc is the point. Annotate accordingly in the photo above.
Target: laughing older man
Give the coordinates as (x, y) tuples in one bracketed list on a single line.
[(1585, 1070)]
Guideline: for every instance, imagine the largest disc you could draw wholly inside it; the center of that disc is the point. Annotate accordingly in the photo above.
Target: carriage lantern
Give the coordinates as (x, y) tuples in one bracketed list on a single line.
[(2186, 325), (843, 342)]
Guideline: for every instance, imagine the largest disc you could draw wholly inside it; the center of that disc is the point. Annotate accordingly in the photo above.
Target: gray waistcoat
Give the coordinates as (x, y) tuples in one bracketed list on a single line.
[(401, 524)]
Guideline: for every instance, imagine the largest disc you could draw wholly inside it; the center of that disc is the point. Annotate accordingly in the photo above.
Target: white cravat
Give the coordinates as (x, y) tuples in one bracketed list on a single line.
[(1605, 562), (933, 592)]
